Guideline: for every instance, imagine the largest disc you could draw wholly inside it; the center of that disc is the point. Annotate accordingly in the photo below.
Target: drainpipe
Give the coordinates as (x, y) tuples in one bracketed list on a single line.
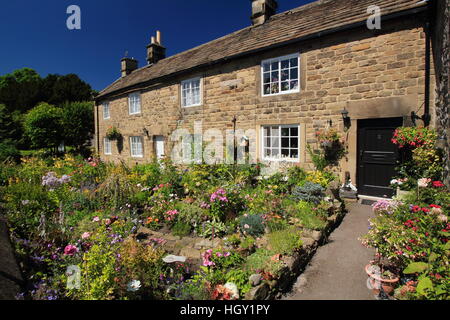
[(97, 133), (426, 116)]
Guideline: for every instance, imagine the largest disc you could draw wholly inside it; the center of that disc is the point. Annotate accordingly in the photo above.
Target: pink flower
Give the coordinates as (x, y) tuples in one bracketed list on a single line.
[(85, 235), (96, 219), (70, 250), (423, 183)]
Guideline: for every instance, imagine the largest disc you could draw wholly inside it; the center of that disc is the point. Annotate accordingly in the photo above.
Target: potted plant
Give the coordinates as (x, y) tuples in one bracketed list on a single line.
[(113, 134), (381, 279)]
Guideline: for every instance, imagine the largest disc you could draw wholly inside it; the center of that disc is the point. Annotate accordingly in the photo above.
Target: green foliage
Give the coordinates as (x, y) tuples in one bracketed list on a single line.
[(8, 152), (296, 176), (252, 225), (285, 241), (78, 123), (241, 279), (308, 216), (310, 192), (21, 89), (318, 158), (261, 261), (181, 229), (43, 125)]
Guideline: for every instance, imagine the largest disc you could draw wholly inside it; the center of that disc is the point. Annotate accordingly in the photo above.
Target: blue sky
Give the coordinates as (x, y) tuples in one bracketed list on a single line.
[(34, 34)]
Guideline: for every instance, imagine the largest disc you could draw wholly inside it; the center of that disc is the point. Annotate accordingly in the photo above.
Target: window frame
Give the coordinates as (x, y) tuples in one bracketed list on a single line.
[(200, 79), (134, 94), (280, 127), (279, 60), (131, 147), (106, 105), (105, 142)]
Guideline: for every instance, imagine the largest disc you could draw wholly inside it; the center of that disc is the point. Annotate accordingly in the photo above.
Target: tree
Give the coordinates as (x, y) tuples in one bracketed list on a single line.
[(7, 125), (78, 123), (21, 89), (44, 126), (68, 88)]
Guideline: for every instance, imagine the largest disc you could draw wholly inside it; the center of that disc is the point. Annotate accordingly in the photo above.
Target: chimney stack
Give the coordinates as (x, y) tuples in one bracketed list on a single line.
[(128, 66), (155, 50), (262, 10)]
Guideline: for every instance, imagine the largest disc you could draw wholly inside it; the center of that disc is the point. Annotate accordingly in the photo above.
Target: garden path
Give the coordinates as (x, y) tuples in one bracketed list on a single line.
[(337, 270), (10, 275)]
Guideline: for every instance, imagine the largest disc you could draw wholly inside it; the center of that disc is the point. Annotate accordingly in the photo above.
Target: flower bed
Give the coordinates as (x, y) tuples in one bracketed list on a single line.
[(91, 230), (411, 241)]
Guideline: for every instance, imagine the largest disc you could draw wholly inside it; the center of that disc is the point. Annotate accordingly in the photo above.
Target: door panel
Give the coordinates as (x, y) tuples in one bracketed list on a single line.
[(159, 145), (377, 156)]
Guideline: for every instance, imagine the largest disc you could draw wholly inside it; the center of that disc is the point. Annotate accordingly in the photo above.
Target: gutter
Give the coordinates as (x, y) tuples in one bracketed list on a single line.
[(347, 27)]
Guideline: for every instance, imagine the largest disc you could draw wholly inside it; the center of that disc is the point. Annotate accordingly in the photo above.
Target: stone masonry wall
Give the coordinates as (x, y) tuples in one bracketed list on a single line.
[(372, 75)]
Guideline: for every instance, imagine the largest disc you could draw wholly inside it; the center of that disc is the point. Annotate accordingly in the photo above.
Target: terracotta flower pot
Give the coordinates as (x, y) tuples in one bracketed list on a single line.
[(377, 282)]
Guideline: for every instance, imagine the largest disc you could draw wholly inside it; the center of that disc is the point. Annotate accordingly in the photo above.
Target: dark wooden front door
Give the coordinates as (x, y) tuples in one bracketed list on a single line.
[(377, 156)]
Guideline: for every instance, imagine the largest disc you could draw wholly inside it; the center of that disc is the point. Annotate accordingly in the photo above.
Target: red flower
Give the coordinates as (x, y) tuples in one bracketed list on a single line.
[(415, 209), (426, 210), (435, 206), (438, 184)]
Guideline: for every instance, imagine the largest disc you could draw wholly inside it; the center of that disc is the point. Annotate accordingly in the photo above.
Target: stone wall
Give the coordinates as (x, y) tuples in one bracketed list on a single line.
[(441, 52), (370, 74)]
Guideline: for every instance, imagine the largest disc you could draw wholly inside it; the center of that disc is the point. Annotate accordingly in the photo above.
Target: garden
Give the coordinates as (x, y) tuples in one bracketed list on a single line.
[(89, 230), (410, 233)]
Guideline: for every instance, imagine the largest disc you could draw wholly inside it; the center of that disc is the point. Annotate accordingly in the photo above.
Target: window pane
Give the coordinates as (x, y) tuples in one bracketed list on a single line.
[(275, 131), (274, 77), (285, 86), (266, 67), (268, 143), (266, 131), (294, 62), (285, 153), (274, 88), (284, 132), (266, 89), (275, 66), (275, 142), (294, 131), (275, 153), (284, 75), (294, 153), (285, 142), (294, 74), (294, 85), (267, 153), (294, 142), (284, 64), (267, 77)]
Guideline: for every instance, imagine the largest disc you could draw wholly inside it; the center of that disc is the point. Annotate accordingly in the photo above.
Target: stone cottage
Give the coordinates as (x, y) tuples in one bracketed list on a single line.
[(268, 88)]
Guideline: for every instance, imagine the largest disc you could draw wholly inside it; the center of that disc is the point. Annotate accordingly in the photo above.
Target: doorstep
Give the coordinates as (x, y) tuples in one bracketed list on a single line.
[(371, 198)]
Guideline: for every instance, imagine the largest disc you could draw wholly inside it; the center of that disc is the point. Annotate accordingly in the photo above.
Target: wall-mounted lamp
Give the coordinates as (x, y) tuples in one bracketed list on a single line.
[(145, 131), (345, 118), (330, 122), (425, 118)]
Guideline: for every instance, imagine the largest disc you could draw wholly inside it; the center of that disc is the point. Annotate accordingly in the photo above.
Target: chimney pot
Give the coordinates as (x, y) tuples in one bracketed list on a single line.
[(155, 51)]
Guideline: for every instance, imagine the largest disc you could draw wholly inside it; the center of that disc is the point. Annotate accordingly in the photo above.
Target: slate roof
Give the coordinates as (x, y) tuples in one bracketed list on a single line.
[(309, 19)]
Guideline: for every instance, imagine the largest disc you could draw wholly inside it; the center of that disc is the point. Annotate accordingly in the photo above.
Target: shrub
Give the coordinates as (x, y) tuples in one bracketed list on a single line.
[(116, 189), (261, 261), (310, 192), (306, 215), (252, 225), (285, 241), (78, 122), (181, 229), (296, 176), (8, 152), (43, 125)]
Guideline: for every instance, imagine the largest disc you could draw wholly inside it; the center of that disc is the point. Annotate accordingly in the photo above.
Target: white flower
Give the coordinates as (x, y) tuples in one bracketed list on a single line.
[(423, 183), (246, 226), (134, 285)]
